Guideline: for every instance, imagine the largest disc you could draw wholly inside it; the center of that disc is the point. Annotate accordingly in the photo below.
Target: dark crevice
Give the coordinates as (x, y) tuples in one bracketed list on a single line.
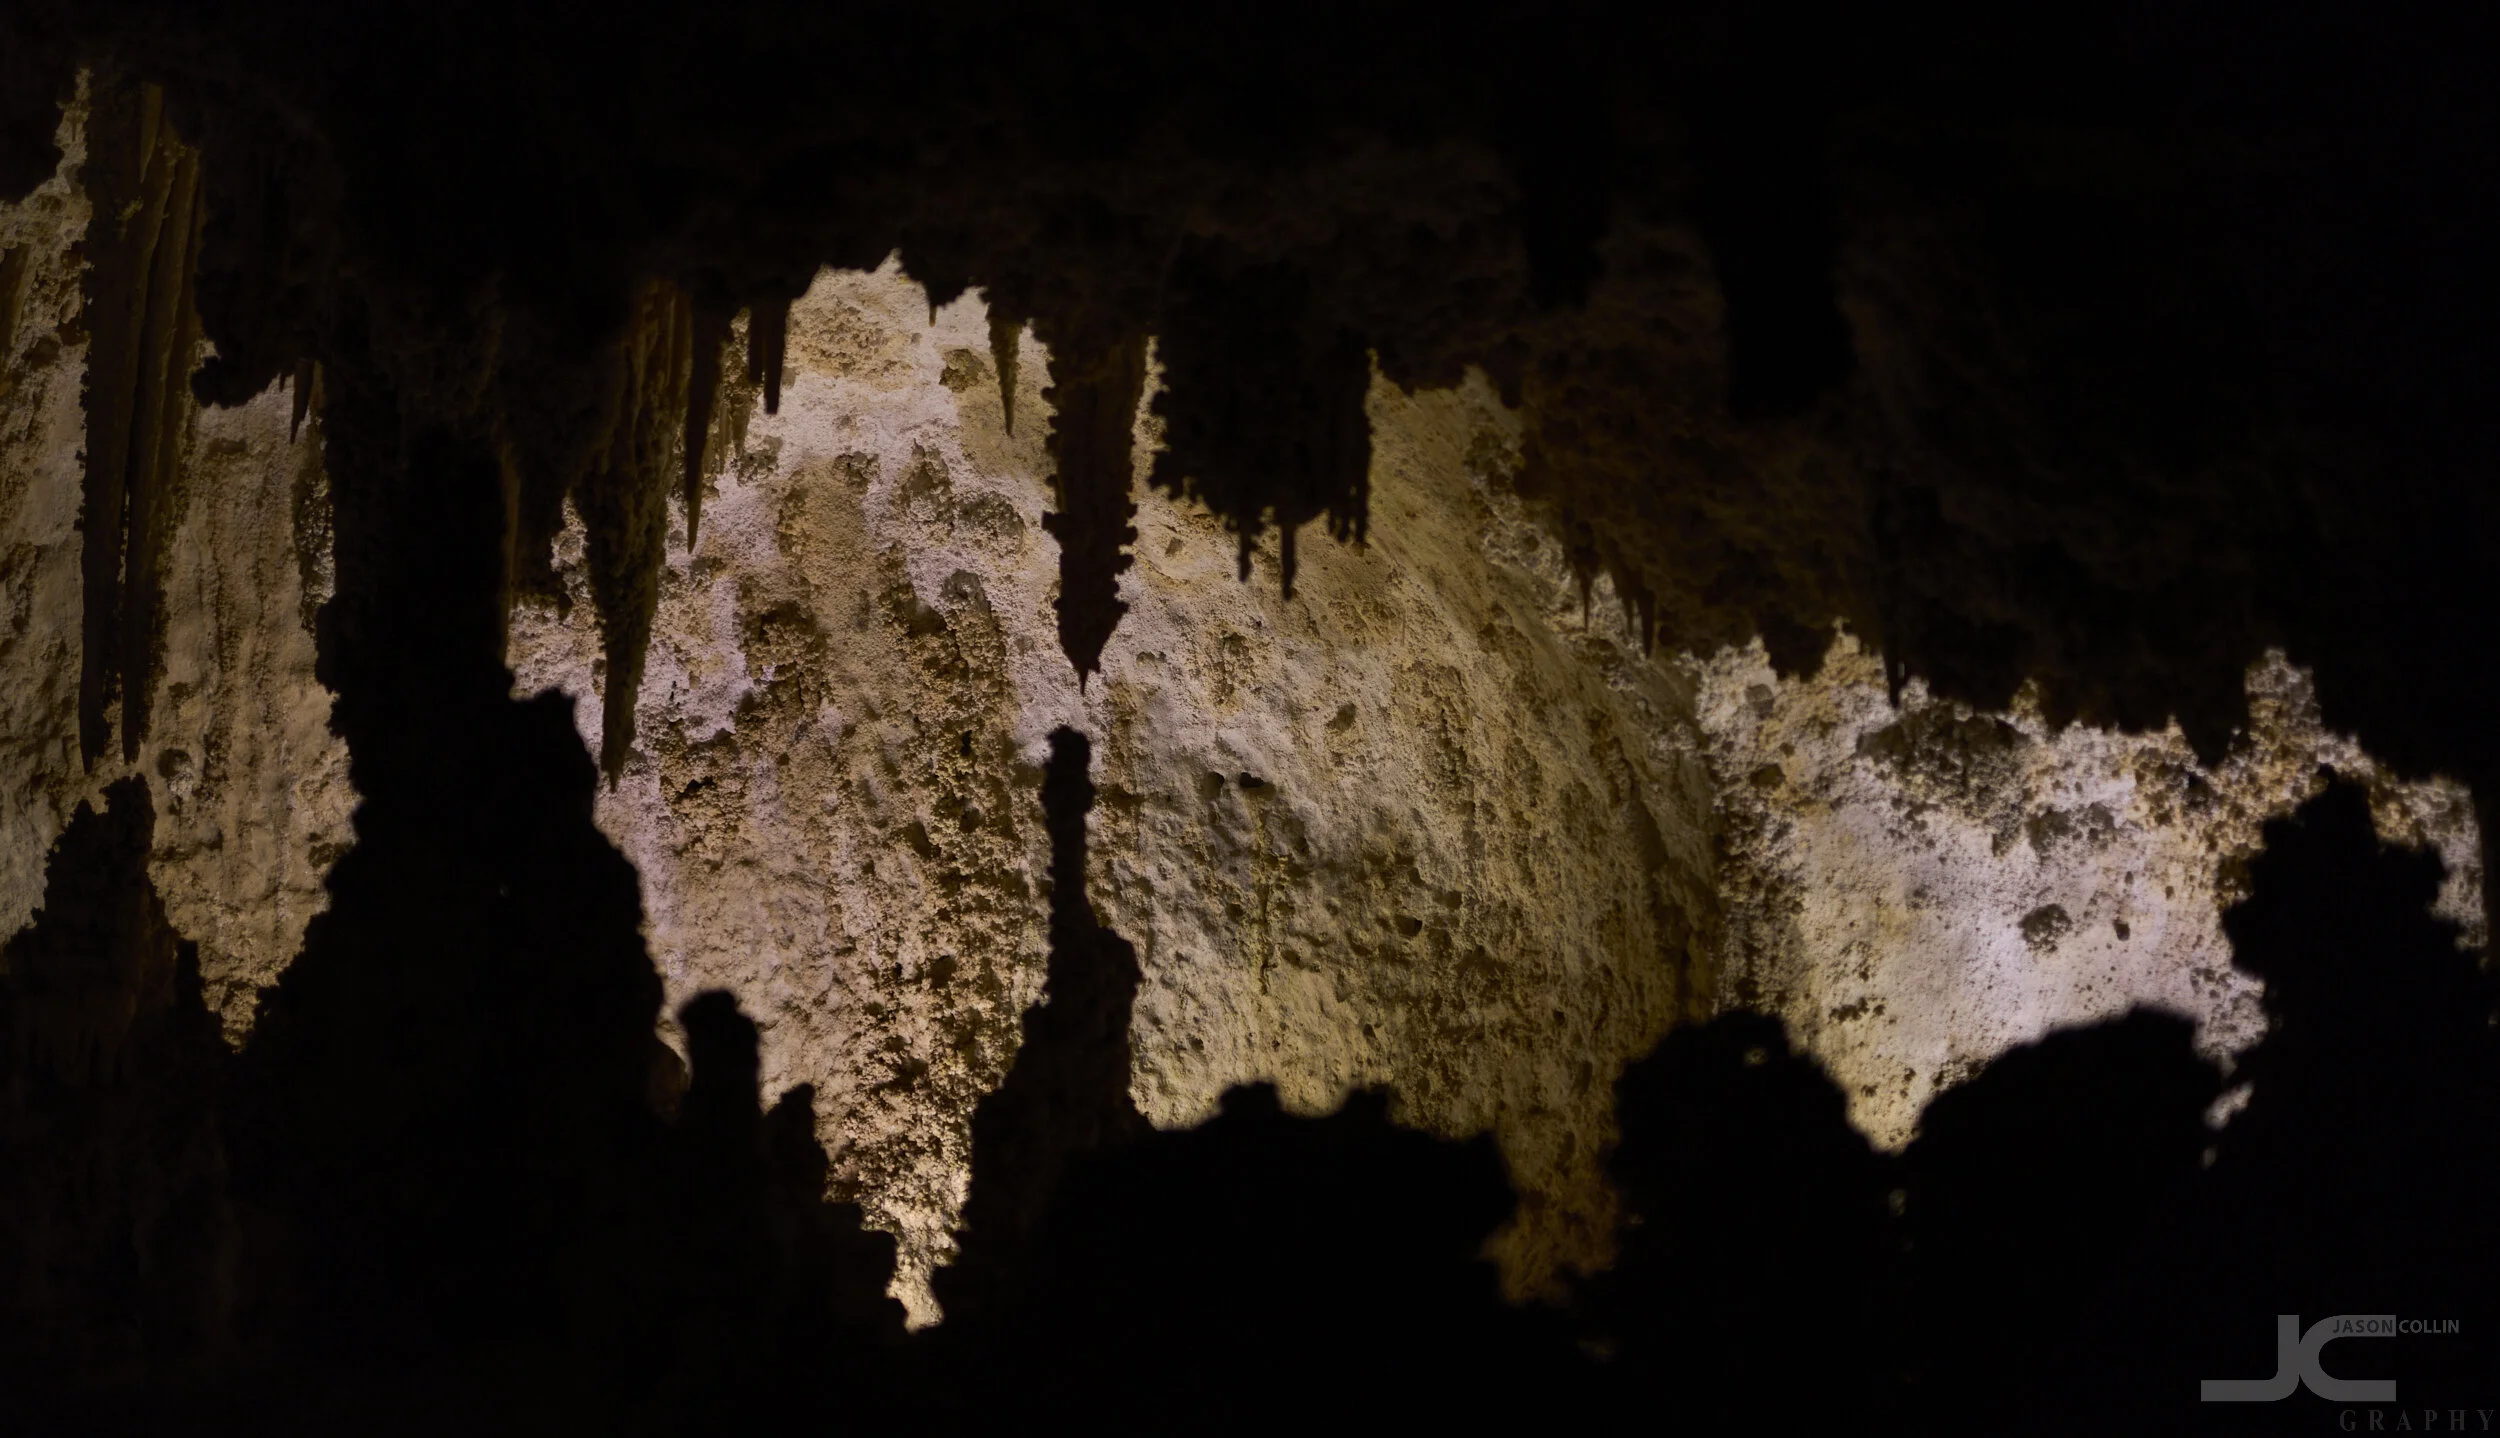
[(119, 1244)]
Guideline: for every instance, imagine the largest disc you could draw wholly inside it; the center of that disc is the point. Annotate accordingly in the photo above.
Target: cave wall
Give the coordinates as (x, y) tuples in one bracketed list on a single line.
[(42, 431), (1917, 888), (1399, 829), (250, 786), (1437, 822)]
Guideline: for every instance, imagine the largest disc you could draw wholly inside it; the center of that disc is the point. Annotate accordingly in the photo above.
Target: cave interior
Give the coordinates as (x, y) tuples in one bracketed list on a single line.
[(2077, 355)]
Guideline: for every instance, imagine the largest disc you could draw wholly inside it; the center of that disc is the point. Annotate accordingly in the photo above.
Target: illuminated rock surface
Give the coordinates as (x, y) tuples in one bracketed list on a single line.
[(1434, 823), (1916, 890), (1397, 830), (250, 787)]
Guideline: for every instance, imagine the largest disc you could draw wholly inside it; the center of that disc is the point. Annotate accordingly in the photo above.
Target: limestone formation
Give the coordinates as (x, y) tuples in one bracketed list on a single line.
[(1393, 830), (1432, 818), (249, 786), (1919, 888)]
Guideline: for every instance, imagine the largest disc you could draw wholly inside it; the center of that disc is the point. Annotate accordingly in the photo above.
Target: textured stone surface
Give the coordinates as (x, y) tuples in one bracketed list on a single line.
[(252, 796), (1396, 830), (250, 787), (1916, 890), (41, 433), (1436, 823)]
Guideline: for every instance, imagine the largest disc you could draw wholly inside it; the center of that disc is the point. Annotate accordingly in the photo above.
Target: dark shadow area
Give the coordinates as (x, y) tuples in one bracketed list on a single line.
[(1265, 1270), (454, 1185), (1258, 1270), (2068, 1246), (2025, 1188), (420, 1228), (2358, 1180), (1754, 1272), (118, 1242), (2102, 348), (1066, 1095)]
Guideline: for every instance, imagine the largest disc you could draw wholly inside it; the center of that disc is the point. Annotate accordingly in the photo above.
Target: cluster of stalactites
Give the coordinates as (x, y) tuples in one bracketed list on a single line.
[(1262, 403), (658, 414), (1262, 408), (142, 321)]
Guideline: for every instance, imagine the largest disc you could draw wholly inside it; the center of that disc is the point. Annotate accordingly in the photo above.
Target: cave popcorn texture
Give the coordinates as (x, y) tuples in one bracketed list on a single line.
[(1391, 831), (1438, 822), (249, 785), (1918, 887)]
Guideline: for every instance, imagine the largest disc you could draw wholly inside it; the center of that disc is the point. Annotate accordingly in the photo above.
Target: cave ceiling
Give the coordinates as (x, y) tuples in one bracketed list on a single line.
[(2103, 349)]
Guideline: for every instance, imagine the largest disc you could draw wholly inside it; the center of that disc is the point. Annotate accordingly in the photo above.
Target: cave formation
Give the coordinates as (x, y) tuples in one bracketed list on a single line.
[(675, 758)]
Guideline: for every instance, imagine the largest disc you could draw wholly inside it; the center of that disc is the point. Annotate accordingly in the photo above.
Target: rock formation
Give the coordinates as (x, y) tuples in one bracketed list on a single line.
[(641, 702)]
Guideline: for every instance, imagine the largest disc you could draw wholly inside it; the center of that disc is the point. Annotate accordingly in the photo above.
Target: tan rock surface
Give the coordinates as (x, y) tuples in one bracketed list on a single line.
[(1394, 831), (42, 429), (252, 796), (250, 787), (1916, 891), (1436, 823)]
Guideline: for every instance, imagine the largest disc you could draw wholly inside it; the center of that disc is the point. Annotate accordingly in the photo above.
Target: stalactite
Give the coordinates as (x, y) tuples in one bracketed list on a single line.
[(1096, 382), (623, 498), (1263, 407), (711, 332), (306, 372), (1005, 334), (768, 336), (144, 184), (171, 339)]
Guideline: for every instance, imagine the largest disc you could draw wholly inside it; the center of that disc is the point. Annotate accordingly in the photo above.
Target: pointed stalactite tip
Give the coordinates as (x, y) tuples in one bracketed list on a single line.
[(1006, 332), (1097, 382), (768, 338), (711, 335), (616, 727), (305, 373)]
